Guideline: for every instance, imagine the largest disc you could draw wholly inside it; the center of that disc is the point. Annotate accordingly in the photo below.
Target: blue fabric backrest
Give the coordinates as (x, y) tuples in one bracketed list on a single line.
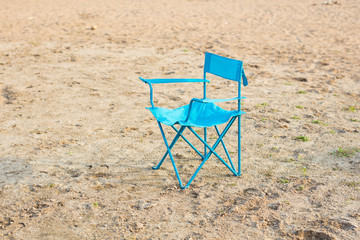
[(223, 67)]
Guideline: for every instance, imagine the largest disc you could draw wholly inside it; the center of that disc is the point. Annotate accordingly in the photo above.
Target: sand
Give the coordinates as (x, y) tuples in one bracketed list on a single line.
[(77, 144)]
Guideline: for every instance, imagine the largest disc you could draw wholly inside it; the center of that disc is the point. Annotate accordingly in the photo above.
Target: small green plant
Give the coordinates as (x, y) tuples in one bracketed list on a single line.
[(300, 188), (319, 122), (303, 169), (261, 105), (299, 106), (284, 181), (302, 138), (213, 137), (294, 161), (96, 204), (332, 132), (186, 50), (354, 120), (301, 92), (346, 152), (232, 184), (352, 184), (199, 131), (295, 117), (350, 109)]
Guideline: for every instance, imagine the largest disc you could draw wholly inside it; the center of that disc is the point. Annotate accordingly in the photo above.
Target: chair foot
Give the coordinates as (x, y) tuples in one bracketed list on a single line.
[(184, 187), (155, 167)]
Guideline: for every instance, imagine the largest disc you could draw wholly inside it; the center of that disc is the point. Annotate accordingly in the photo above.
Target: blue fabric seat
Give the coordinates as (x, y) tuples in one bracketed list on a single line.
[(202, 113)]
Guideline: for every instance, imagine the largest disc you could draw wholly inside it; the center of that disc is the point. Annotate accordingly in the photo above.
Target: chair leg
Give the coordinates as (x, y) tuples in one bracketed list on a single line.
[(171, 146), (225, 149), (217, 142), (169, 151), (206, 145), (239, 145), (188, 142), (212, 149), (205, 139)]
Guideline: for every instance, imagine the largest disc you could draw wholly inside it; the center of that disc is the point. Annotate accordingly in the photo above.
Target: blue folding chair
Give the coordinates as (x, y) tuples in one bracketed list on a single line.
[(202, 113)]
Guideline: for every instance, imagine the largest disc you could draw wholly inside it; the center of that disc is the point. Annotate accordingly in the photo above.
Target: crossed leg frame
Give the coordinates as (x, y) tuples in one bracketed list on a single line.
[(206, 155)]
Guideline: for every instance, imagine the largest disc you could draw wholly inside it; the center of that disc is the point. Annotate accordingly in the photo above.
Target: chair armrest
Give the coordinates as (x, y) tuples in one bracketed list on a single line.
[(172, 80), (151, 91), (208, 100), (164, 80)]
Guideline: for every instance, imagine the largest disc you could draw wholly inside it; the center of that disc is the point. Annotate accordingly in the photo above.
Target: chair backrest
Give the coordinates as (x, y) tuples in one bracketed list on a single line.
[(223, 67)]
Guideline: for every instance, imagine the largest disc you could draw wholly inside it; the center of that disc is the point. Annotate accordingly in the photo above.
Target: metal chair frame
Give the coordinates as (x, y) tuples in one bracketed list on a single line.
[(220, 66)]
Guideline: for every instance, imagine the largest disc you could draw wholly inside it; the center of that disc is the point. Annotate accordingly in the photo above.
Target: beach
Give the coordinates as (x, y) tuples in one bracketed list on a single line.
[(77, 144)]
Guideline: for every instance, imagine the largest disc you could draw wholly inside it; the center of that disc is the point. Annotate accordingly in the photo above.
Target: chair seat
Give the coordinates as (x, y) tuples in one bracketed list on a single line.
[(201, 115)]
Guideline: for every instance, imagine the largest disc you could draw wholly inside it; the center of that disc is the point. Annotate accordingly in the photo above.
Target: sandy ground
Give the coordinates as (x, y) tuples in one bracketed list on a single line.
[(77, 144)]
